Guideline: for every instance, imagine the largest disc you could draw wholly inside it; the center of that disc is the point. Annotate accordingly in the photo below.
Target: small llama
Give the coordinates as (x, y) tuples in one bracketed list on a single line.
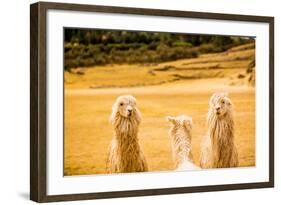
[(180, 134)]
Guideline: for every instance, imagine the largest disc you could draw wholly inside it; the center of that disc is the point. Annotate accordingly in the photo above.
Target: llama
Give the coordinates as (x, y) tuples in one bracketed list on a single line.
[(125, 153), (218, 149), (180, 134)]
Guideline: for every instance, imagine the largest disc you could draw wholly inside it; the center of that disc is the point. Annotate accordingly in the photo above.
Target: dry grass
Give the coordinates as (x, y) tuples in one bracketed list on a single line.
[(88, 132)]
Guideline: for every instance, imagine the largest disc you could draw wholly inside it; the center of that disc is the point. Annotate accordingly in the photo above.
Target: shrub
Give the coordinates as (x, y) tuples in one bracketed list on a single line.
[(181, 44), (79, 55)]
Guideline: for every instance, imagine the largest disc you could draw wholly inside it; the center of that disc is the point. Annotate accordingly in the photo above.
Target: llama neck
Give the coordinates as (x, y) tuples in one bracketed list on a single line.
[(222, 136), (181, 145), (126, 133), (221, 128)]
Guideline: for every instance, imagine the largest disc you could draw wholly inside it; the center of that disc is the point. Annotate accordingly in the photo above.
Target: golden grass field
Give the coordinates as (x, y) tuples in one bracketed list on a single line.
[(173, 88)]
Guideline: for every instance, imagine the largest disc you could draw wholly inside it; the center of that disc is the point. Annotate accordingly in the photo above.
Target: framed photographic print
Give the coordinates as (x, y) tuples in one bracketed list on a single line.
[(134, 102)]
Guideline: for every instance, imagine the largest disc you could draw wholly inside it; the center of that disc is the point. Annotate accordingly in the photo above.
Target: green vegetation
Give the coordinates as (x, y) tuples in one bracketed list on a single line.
[(83, 47), (235, 62)]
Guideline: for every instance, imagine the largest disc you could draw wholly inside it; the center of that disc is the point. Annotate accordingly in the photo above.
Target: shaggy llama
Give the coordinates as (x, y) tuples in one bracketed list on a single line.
[(180, 134), (125, 153), (218, 149)]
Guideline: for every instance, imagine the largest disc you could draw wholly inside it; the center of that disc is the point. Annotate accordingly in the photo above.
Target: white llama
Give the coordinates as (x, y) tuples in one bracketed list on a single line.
[(180, 134), (218, 149), (125, 153)]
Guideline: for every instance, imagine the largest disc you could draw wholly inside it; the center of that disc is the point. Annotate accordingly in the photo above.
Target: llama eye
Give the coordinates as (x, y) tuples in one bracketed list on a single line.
[(121, 104), (222, 102)]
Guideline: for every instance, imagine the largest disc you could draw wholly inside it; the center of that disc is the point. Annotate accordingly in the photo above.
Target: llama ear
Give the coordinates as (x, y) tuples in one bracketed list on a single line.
[(212, 99), (134, 99), (171, 119), (112, 116), (113, 113), (190, 123), (138, 115)]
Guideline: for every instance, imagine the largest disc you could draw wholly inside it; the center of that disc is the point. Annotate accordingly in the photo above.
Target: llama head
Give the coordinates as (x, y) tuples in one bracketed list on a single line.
[(125, 106), (220, 104), (181, 121)]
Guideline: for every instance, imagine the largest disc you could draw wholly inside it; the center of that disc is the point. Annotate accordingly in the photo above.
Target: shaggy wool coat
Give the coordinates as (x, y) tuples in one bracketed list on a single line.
[(125, 154), (180, 135), (218, 149)]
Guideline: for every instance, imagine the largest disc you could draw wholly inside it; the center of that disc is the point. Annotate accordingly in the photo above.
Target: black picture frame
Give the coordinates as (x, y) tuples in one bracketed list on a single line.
[(38, 106)]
